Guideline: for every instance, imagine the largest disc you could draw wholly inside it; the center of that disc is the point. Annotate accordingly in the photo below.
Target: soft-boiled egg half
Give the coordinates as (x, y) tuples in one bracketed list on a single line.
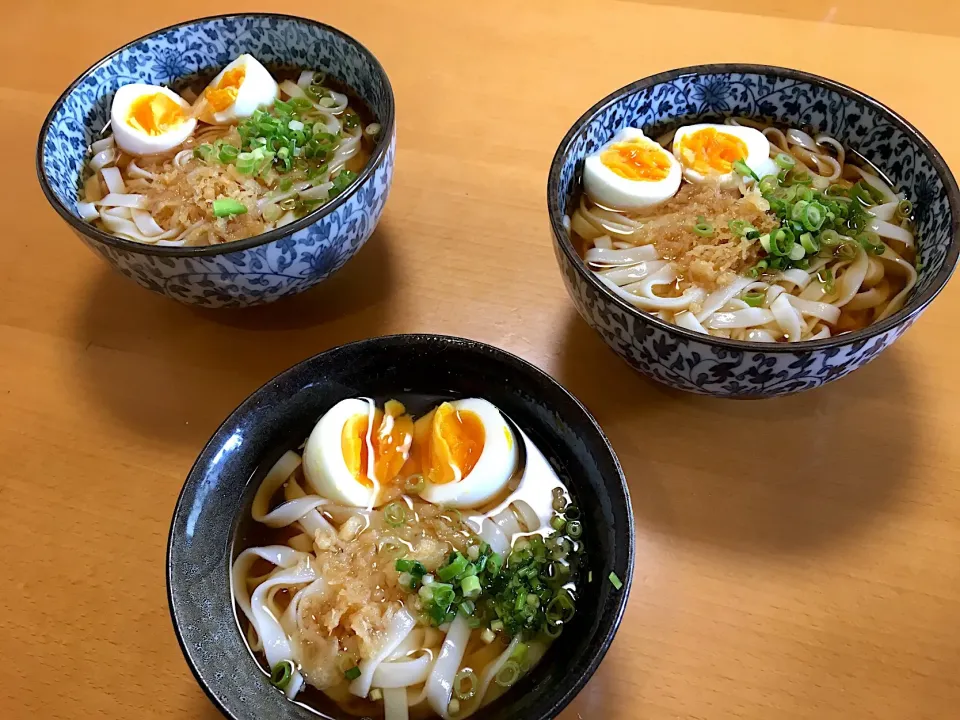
[(149, 119), (354, 448), (466, 453), (236, 92), (631, 172), (708, 151)]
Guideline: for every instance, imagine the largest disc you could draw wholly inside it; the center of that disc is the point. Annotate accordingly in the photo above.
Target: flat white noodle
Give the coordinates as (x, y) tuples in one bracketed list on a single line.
[(290, 511), (87, 211), (834, 166), (641, 294), (834, 143), (395, 704), (821, 334), (439, 685), (787, 318), (760, 335), (891, 231), (135, 171), (128, 229), (120, 212), (489, 673), (876, 183), (848, 284), (605, 257), (632, 273), (146, 224), (128, 200), (102, 159), (749, 317), (824, 311), (311, 521), (896, 302), (102, 144), (884, 212), (293, 568), (795, 276), (688, 320), (403, 673), (113, 179), (799, 137), (604, 243), (400, 626), (721, 296)]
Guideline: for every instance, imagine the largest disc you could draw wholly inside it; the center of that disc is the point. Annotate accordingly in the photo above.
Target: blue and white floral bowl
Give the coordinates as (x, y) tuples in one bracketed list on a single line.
[(256, 270), (728, 368)]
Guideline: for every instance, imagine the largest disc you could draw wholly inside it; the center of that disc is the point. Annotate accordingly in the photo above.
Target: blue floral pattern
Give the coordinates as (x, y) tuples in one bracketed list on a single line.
[(713, 366), (255, 272)]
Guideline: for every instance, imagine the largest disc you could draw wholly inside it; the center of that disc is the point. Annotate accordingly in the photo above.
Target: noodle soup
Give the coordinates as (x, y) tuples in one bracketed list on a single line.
[(746, 230), (407, 564), (228, 157)]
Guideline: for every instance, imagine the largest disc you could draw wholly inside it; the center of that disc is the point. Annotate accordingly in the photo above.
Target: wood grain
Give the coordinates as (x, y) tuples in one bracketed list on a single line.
[(797, 558)]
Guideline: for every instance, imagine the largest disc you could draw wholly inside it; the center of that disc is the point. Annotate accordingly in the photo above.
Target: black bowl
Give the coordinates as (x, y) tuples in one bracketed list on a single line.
[(215, 502)]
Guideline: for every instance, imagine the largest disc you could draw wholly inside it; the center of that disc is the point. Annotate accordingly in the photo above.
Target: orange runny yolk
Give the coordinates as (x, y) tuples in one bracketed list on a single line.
[(154, 114), (391, 439), (637, 159), (225, 93), (708, 151), (448, 442)]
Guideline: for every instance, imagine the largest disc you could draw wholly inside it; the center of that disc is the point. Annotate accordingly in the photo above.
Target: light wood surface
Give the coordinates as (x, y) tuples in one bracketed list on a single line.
[(796, 559)]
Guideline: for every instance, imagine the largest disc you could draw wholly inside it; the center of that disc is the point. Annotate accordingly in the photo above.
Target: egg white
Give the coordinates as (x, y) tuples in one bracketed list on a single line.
[(758, 154), (134, 141), (323, 463), (493, 469), (609, 189), (258, 89)]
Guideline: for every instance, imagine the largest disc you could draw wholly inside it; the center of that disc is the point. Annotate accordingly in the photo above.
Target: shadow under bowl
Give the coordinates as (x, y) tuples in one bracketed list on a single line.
[(700, 363), (255, 270), (210, 517)]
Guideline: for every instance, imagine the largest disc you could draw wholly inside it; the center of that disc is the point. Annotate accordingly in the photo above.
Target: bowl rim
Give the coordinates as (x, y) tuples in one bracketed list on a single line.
[(376, 159), (914, 305), (606, 637)]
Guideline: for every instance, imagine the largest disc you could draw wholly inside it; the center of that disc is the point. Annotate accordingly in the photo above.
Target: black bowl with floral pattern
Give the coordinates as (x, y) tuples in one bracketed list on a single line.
[(729, 368)]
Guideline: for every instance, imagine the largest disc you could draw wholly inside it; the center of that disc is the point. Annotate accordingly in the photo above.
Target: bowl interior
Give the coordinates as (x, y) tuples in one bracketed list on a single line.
[(215, 501), (199, 46), (785, 96)]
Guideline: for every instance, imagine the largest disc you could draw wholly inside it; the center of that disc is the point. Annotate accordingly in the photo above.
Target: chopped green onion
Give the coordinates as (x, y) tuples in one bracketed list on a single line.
[(376, 695), (443, 594), (829, 238), (574, 529), (508, 674), (406, 580), (743, 169), (615, 581), (826, 279), (204, 151), (904, 209), (281, 674), (225, 207), (453, 707), (395, 514), (813, 216), (848, 249), (454, 568), (784, 161), (559, 503), (353, 673), (465, 684), (561, 608), (809, 243), (497, 626), (557, 523), (753, 299), (768, 184), (228, 153), (572, 512), (871, 242), (796, 252), (414, 484)]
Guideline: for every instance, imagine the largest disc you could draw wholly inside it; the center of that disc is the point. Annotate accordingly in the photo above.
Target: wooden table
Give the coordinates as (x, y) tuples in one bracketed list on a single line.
[(797, 558)]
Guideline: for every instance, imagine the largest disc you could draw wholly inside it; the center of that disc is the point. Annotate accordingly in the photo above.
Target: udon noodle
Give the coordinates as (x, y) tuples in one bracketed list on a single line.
[(398, 604), (173, 170), (820, 246)]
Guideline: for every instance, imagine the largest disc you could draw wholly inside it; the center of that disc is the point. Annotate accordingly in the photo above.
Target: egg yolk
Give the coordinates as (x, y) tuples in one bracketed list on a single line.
[(391, 440), (449, 443), (155, 114), (225, 93), (709, 151), (637, 159)]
